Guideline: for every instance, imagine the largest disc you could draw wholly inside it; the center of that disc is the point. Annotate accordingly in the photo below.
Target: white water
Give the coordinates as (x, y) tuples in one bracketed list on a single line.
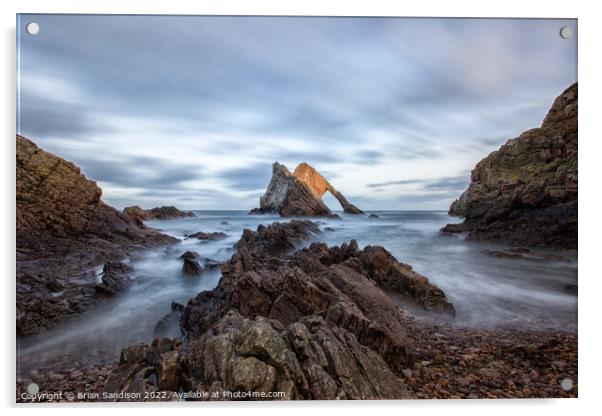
[(486, 291)]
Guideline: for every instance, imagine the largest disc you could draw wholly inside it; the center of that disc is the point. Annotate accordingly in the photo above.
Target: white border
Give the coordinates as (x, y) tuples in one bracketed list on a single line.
[(590, 70)]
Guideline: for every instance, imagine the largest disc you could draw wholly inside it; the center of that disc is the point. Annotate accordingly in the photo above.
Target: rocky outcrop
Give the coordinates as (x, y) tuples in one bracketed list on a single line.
[(525, 193), (159, 213), (299, 193), (315, 323), (319, 186), (218, 235), (64, 230)]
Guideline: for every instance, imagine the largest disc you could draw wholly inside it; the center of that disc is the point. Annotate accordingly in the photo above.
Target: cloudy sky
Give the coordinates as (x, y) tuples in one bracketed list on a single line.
[(192, 111)]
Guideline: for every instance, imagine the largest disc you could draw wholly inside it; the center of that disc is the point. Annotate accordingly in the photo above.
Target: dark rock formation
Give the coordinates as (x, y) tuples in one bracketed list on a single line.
[(159, 213), (190, 255), (315, 323), (115, 278), (299, 193), (277, 238), (191, 267), (525, 193), (373, 216), (64, 229), (208, 236)]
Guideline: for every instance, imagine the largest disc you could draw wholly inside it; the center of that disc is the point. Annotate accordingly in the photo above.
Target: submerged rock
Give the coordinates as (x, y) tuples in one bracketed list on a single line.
[(299, 193), (64, 230), (373, 216), (159, 213), (525, 193)]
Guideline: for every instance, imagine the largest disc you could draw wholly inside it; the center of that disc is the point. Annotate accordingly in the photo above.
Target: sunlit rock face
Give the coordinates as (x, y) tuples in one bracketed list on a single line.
[(525, 193), (299, 193)]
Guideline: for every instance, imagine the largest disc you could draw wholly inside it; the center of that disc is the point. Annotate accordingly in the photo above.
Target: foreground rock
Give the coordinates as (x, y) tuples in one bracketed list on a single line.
[(160, 213), (299, 193), (314, 323), (450, 363), (64, 230), (525, 193)]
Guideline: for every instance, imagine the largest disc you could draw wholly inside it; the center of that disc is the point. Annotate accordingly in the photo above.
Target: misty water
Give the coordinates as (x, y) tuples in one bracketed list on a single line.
[(486, 291)]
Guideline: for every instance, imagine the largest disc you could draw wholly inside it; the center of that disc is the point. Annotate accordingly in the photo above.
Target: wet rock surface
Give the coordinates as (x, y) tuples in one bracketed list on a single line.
[(299, 193), (64, 231), (525, 193)]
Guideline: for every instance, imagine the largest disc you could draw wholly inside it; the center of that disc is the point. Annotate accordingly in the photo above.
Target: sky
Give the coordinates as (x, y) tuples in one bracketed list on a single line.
[(192, 111)]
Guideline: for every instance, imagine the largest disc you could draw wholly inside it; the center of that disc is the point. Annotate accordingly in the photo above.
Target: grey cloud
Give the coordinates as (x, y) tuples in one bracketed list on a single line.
[(452, 183), (391, 183), (138, 172), (434, 85), (247, 179)]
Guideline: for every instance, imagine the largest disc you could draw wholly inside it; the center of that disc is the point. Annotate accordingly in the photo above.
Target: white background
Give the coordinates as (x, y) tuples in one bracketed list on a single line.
[(590, 304)]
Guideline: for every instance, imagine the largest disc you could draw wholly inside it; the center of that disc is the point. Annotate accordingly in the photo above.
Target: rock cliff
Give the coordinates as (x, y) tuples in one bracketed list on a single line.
[(63, 230), (525, 193), (299, 193)]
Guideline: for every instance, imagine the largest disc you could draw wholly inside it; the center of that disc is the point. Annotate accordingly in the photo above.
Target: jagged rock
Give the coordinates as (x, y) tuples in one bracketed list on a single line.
[(314, 323), (158, 213), (145, 369), (115, 278), (191, 267), (277, 238), (525, 193), (208, 236), (299, 193), (64, 230)]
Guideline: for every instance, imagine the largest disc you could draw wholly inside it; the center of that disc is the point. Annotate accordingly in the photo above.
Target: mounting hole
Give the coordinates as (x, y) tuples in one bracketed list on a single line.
[(33, 388), (32, 28), (566, 32), (566, 384)]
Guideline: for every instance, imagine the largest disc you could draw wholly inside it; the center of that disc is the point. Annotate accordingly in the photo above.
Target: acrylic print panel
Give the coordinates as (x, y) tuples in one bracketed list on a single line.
[(285, 208)]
